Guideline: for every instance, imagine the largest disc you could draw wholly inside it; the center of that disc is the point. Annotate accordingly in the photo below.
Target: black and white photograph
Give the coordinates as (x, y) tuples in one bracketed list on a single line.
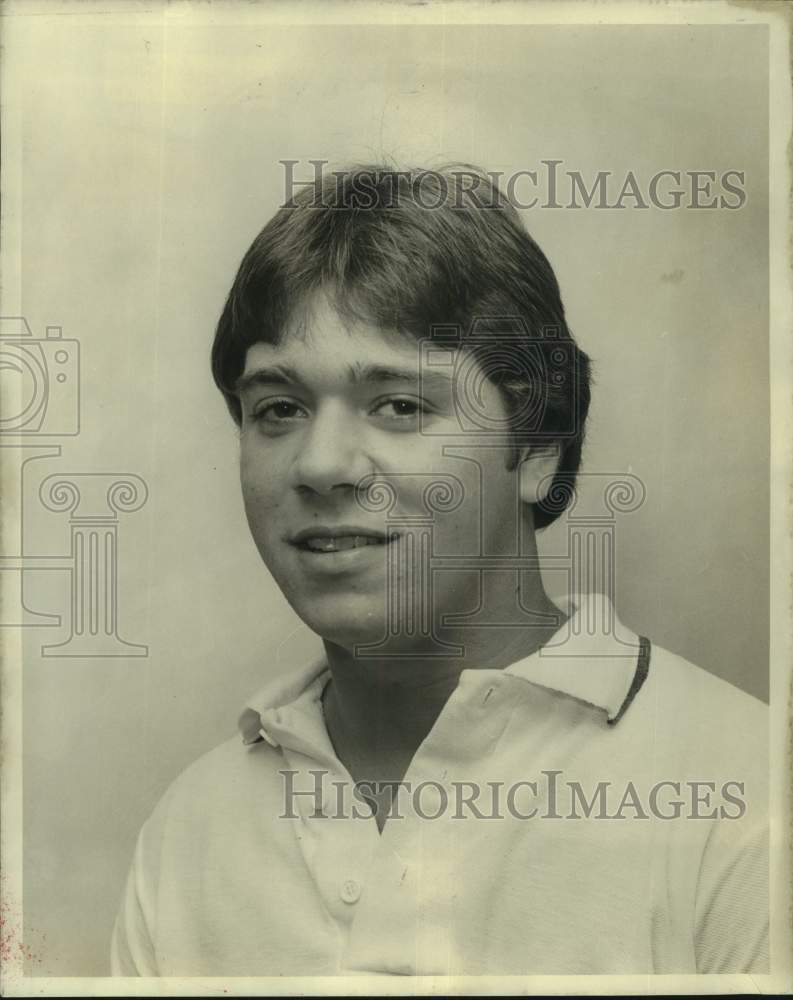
[(396, 498)]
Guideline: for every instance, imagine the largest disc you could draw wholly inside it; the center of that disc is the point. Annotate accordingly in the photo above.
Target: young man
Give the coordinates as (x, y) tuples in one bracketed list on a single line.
[(471, 780)]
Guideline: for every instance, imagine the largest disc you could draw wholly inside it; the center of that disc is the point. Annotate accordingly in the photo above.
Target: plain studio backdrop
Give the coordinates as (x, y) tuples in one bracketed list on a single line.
[(149, 161)]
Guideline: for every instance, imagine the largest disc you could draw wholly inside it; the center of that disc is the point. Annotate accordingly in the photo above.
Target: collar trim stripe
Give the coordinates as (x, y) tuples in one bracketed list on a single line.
[(642, 669)]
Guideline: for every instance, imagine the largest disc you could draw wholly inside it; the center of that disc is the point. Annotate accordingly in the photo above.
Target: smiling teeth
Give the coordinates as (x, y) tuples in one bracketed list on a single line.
[(343, 542)]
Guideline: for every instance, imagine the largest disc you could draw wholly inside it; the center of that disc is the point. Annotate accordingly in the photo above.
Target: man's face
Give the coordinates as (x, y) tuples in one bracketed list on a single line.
[(333, 403)]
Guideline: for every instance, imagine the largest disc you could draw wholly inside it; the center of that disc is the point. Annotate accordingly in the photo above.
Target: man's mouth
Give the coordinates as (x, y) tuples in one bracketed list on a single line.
[(341, 542)]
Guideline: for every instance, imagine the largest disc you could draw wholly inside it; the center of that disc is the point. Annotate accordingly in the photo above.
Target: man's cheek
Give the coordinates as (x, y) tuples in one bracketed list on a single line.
[(457, 534), (262, 513), (259, 488)]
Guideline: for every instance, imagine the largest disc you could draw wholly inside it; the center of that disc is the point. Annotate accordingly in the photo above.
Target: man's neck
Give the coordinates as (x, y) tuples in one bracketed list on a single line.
[(378, 712)]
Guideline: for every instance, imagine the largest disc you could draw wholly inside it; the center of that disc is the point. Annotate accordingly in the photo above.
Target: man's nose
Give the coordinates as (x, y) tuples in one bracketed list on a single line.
[(331, 452)]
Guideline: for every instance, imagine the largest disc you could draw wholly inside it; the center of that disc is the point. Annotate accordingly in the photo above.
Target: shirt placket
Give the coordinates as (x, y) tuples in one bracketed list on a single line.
[(405, 924), (337, 833)]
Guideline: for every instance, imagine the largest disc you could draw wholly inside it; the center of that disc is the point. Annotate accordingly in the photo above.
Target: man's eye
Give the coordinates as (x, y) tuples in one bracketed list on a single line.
[(400, 409), (278, 411)]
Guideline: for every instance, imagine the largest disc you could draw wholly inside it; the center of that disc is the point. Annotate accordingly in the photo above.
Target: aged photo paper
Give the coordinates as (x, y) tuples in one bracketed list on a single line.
[(397, 476)]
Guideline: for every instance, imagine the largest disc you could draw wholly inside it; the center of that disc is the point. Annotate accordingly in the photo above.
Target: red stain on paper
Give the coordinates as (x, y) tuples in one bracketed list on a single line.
[(12, 945)]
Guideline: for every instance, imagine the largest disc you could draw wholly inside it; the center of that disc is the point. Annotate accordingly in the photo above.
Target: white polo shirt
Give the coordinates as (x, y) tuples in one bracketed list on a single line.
[(254, 863)]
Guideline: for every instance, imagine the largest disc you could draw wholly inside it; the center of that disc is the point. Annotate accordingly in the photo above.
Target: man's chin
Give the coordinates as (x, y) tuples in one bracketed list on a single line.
[(352, 636), (347, 623)]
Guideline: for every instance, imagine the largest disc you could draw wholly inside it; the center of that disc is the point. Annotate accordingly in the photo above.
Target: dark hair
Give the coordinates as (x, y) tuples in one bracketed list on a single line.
[(411, 251)]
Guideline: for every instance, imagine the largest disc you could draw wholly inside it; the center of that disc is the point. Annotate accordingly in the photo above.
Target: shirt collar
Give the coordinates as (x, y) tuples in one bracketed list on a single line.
[(278, 692), (592, 658)]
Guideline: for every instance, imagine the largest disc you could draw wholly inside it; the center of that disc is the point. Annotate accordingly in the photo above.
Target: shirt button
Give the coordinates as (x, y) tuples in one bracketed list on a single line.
[(350, 891)]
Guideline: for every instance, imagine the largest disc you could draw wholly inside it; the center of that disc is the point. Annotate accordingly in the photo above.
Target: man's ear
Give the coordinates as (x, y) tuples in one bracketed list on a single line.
[(536, 467)]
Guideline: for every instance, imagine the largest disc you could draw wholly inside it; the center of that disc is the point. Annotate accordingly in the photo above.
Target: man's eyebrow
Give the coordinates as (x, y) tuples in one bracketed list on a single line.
[(266, 375), (383, 373), (357, 375)]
